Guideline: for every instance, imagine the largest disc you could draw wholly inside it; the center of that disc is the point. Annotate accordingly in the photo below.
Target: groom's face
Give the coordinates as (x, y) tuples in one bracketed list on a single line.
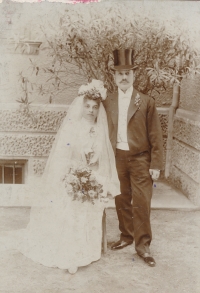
[(124, 79)]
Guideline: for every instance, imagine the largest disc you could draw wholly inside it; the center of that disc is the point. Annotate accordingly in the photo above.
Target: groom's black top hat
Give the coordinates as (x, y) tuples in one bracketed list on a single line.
[(123, 59)]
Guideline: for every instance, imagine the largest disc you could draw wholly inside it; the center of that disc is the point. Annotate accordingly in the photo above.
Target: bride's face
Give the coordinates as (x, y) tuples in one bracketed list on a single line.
[(90, 110)]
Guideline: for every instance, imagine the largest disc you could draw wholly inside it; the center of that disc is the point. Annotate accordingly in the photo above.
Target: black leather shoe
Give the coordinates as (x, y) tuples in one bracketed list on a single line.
[(120, 244), (149, 260)]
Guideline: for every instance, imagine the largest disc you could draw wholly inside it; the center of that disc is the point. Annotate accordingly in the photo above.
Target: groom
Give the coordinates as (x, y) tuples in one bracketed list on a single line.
[(136, 136)]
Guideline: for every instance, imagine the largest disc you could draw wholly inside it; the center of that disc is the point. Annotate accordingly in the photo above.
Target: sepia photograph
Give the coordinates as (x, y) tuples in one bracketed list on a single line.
[(99, 146)]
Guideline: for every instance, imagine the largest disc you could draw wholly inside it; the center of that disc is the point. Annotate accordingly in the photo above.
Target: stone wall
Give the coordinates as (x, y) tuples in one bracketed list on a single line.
[(29, 138), (185, 164), (22, 137)]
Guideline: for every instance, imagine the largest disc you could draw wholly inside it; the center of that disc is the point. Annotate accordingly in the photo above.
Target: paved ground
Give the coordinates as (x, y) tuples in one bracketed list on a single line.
[(175, 247)]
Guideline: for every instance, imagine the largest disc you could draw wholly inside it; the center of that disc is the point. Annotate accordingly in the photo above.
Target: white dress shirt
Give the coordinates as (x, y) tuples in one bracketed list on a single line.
[(123, 105)]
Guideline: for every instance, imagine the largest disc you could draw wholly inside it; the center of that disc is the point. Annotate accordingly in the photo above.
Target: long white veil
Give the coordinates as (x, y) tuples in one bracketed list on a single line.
[(60, 157), (62, 232)]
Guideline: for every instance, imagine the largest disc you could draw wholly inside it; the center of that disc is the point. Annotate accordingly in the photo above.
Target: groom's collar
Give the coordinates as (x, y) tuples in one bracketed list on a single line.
[(114, 96), (127, 93)]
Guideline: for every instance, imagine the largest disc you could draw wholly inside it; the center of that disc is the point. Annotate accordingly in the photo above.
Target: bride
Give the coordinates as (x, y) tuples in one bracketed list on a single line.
[(65, 228)]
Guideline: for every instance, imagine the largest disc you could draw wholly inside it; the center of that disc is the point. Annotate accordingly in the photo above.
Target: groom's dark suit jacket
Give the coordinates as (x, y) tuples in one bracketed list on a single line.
[(144, 128)]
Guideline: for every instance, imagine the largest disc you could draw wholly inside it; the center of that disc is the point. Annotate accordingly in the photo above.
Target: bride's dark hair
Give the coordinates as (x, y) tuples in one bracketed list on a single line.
[(91, 98)]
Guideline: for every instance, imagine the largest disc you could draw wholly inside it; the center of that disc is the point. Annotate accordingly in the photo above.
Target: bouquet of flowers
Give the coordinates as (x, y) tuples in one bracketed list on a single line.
[(94, 89), (82, 185)]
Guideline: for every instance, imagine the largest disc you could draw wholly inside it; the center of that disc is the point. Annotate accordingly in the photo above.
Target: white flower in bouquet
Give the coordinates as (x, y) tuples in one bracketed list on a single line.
[(79, 194), (84, 169), (93, 183), (92, 177), (93, 180), (84, 179), (92, 193), (71, 179), (81, 168)]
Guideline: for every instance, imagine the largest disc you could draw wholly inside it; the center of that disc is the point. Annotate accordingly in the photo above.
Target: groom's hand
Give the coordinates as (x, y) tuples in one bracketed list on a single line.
[(154, 174)]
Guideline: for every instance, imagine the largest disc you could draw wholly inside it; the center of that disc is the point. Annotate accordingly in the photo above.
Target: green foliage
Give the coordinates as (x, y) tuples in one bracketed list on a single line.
[(86, 41)]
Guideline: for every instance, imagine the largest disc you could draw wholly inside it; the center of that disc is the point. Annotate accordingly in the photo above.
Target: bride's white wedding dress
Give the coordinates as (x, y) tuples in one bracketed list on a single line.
[(63, 232)]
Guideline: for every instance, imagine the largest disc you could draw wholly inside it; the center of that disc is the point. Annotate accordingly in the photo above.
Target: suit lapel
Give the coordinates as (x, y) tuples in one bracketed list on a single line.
[(134, 105), (114, 108)]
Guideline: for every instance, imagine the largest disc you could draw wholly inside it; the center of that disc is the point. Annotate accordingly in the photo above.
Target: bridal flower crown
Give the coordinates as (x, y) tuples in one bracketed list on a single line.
[(94, 90)]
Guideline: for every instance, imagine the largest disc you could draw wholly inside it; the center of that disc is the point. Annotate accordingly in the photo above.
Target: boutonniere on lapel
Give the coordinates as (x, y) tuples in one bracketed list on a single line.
[(137, 100)]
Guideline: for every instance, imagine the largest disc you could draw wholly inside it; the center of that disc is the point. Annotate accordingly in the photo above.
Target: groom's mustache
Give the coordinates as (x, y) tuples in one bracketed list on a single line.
[(124, 80)]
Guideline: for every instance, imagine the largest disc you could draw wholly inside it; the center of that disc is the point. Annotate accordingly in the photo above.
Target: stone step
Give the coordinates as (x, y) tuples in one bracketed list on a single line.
[(166, 197)]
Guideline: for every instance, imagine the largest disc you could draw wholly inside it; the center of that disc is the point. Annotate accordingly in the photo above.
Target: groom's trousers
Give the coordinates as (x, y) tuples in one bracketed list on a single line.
[(134, 203)]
